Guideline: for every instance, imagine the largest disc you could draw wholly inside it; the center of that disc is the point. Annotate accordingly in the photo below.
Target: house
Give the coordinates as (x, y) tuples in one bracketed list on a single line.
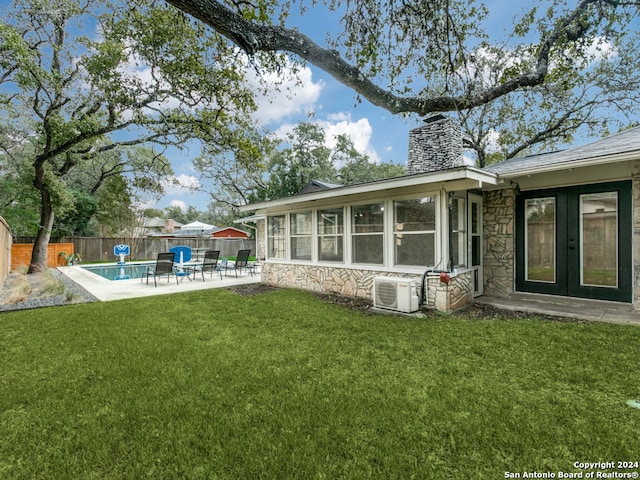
[(158, 226), (229, 232), (562, 223)]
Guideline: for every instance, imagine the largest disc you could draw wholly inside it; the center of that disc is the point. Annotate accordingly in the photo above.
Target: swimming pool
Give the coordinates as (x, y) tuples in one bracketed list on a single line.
[(111, 272)]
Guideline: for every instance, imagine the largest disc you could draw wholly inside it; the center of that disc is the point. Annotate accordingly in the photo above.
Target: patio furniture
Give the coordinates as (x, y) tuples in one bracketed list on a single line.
[(164, 266), (211, 264), (242, 261), (182, 256)]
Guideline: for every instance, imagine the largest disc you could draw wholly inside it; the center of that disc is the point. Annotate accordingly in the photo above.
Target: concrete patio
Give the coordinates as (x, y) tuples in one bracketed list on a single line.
[(106, 290), (568, 307)]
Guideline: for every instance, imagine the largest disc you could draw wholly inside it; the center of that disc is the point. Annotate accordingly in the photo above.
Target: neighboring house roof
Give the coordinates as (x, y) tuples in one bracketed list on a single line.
[(619, 147), (221, 232), (158, 222), (317, 186)]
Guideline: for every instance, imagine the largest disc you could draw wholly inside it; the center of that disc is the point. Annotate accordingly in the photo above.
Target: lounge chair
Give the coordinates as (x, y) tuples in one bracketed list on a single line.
[(164, 266), (242, 261), (210, 263)]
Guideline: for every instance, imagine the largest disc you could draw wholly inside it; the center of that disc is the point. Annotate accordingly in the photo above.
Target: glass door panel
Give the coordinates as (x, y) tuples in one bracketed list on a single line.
[(576, 241), (599, 238), (540, 238)]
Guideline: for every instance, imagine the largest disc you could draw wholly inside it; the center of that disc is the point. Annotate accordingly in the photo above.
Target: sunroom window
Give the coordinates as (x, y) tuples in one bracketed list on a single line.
[(367, 233), (276, 236), (301, 238), (415, 231), (331, 235), (458, 232)]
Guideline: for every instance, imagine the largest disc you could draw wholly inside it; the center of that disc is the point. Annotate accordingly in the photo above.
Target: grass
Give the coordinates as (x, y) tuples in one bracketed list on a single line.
[(213, 385)]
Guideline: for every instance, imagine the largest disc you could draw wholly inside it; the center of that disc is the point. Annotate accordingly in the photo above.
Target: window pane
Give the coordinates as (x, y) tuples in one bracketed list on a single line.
[(330, 248), (275, 248), (417, 215), (330, 235), (300, 235), (599, 222), (276, 226), (301, 223), (276, 237), (330, 222), (540, 236), (474, 218), (368, 249), (415, 249), (458, 236), (368, 218), (301, 248)]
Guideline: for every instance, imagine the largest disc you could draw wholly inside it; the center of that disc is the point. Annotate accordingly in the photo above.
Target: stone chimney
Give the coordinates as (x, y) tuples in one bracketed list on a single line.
[(169, 225), (437, 145)]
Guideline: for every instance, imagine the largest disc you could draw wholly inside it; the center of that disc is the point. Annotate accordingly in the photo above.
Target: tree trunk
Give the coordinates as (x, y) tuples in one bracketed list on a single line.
[(41, 245)]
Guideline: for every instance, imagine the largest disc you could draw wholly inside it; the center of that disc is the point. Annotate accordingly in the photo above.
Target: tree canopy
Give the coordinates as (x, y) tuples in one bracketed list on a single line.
[(561, 66), (287, 167), (102, 90)]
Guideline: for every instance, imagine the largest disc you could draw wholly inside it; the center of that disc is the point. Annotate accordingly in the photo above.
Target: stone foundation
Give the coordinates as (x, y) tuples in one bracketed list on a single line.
[(359, 283)]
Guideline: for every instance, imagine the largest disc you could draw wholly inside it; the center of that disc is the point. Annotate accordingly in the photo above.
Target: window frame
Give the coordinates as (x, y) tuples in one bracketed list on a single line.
[(382, 234), (339, 236), (301, 236), (459, 226), (282, 237), (398, 233)]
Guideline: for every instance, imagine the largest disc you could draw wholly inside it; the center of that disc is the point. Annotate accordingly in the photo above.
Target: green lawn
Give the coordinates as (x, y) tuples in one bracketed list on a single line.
[(213, 385)]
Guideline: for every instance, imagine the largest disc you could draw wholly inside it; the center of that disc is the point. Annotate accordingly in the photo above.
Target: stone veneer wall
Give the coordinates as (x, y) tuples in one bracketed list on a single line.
[(261, 239), (499, 242), (359, 283), (450, 297), (635, 175), (435, 146)]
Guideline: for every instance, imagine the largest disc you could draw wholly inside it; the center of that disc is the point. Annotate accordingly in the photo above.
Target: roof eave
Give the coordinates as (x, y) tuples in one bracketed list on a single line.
[(477, 176), (572, 164)]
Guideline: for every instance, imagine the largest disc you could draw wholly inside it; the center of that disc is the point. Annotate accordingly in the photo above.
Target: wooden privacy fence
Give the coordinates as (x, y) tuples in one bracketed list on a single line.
[(100, 249), (5, 250), (21, 254)]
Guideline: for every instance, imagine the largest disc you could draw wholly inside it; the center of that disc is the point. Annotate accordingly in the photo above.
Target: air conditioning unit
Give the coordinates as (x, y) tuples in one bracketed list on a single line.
[(397, 294)]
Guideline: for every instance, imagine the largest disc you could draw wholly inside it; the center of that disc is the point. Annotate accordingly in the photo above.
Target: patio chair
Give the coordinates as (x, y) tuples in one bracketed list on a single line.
[(242, 261), (210, 263), (183, 255), (164, 266)]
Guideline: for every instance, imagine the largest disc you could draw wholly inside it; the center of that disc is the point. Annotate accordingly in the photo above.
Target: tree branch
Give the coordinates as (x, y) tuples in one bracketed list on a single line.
[(253, 38)]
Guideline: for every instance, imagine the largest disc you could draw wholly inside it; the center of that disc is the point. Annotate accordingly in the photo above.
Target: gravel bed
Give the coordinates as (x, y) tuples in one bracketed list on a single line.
[(73, 293)]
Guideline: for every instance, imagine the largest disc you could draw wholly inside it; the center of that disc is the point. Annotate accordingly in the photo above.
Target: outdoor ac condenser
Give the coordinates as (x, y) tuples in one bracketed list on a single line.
[(397, 294)]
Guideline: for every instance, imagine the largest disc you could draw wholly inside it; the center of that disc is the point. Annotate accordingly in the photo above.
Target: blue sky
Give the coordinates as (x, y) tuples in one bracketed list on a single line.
[(383, 136), (374, 131)]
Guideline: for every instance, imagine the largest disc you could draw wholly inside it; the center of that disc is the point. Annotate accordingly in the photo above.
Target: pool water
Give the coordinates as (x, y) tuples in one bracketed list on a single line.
[(110, 272)]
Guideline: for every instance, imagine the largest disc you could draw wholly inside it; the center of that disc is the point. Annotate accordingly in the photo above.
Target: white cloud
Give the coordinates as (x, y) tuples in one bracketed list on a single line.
[(341, 123), (181, 184), (180, 204), (360, 133), (281, 96)]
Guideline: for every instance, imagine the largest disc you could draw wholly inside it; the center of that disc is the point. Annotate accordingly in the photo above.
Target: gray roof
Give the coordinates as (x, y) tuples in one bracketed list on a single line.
[(316, 186), (621, 143)]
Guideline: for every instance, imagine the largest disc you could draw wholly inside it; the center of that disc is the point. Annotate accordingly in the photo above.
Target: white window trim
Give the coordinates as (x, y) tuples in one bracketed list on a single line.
[(441, 250), (319, 236)]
